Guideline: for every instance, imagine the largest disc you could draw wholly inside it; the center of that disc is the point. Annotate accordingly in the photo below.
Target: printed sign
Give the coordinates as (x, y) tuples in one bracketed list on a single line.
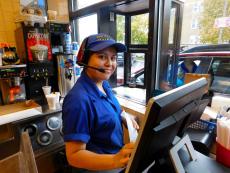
[(37, 37), (222, 22)]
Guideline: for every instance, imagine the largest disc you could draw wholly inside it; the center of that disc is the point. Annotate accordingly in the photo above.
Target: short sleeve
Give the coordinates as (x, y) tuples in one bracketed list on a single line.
[(76, 119)]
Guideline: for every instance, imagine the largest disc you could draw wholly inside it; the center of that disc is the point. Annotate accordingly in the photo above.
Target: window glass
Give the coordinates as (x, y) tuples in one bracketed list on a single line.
[(87, 26), (137, 69), (120, 69), (172, 25), (221, 67), (120, 23), (221, 84), (195, 24), (221, 79), (197, 7), (139, 29), (85, 3), (194, 39)]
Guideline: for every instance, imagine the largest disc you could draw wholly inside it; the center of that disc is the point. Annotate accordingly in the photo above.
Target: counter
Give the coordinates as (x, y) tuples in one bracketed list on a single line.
[(19, 111), (13, 112), (131, 107), (132, 100), (46, 141)]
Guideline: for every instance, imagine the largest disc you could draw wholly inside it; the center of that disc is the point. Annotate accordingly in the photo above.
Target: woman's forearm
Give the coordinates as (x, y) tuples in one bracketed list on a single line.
[(92, 161)]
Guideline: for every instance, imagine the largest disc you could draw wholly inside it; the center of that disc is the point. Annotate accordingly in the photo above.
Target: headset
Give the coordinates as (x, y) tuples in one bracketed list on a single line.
[(81, 60)]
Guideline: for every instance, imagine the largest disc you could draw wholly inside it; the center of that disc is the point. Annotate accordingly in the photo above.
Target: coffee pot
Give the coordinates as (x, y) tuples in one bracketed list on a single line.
[(10, 56)]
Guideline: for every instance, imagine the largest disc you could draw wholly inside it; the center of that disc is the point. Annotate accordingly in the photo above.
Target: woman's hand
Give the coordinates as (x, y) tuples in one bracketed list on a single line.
[(122, 157), (135, 124)]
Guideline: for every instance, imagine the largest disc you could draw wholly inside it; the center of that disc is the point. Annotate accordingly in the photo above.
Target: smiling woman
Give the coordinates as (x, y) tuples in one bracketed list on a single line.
[(92, 119)]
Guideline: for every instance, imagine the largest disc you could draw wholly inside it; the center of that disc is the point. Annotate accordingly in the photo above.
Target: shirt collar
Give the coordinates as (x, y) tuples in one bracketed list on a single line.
[(91, 87)]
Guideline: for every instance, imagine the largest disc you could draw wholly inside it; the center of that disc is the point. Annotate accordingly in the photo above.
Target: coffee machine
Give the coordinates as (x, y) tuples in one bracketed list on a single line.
[(34, 48), (12, 84)]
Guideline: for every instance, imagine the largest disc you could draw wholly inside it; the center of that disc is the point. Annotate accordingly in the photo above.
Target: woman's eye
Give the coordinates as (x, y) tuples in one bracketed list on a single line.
[(114, 58), (102, 56)]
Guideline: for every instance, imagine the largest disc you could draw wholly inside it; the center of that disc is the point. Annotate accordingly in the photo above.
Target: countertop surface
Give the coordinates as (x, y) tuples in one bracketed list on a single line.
[(132, 100), (19, 111)]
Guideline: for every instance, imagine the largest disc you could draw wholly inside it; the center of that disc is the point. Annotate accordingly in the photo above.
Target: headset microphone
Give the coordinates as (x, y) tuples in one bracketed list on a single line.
[(95, 68)]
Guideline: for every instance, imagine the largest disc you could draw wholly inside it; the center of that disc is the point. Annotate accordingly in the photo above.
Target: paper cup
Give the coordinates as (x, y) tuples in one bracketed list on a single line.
[(57, 96), (46, 89), (52, 101)]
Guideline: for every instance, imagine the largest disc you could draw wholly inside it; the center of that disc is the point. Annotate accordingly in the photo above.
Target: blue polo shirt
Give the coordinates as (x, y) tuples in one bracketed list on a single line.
[(92, 117)]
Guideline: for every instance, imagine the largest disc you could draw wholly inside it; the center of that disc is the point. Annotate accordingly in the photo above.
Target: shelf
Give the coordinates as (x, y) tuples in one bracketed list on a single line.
[(31, 18), (12, 66)]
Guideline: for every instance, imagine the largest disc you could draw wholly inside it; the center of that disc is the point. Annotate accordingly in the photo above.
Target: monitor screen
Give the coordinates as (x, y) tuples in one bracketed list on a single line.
[(165, 116)]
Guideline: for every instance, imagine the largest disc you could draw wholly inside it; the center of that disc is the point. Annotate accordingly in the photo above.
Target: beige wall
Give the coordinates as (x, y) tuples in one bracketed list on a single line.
[(61, 6), (188, 17), (9, 9)]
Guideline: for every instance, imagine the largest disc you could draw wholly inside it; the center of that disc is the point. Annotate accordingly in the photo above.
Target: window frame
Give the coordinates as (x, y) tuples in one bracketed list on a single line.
[(157, 46)]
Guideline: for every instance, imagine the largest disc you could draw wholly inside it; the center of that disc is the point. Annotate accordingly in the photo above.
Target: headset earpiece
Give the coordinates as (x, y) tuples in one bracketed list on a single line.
[(82, 51)]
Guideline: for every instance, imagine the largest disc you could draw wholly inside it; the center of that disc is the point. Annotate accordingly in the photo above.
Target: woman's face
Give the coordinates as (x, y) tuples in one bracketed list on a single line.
[(105, 59)]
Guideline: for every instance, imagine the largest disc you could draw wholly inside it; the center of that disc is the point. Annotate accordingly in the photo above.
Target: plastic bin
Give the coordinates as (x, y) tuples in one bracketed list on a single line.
[(204, 125), (222, 155)]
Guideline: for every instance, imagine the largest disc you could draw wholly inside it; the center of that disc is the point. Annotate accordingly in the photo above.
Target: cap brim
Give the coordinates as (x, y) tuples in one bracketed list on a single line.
[(118, 46)]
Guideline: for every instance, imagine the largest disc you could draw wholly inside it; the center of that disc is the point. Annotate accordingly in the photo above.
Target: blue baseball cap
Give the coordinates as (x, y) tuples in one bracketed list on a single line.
[(101, 41), (97, 43)]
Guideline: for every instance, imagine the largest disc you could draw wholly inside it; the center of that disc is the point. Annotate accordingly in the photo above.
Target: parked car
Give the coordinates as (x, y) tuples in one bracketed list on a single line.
[(211, 59), (137, 74), (214, 60), (120, 59)]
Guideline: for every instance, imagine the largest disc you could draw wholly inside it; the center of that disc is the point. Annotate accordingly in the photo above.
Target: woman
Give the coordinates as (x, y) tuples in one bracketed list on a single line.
[(187, 66), (93, 131)]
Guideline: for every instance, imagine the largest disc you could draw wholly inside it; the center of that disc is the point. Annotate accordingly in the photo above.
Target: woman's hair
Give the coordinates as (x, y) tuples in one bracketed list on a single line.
[(87, 56)]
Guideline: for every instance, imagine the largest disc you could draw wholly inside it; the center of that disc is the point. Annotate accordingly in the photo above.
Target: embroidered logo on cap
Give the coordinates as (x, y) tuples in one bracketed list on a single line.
[(103, 38)]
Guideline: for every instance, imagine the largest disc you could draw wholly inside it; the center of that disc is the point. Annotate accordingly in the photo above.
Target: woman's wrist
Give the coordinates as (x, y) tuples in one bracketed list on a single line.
[(115, 163)]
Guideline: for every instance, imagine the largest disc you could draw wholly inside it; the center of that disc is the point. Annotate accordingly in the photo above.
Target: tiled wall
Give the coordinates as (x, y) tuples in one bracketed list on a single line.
[(9, 9)]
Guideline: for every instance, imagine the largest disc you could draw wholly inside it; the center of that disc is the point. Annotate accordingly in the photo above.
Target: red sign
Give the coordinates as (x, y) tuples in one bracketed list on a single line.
[(35, 38)]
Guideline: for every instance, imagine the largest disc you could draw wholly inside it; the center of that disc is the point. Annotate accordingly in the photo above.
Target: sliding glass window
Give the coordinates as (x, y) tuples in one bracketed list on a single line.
[(140, 29), (86, 26), (120, 23)]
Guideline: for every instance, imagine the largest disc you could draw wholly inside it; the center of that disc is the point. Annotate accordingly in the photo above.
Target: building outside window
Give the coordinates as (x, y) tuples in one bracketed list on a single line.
[(197, 7), (194, 39), (195, 24)]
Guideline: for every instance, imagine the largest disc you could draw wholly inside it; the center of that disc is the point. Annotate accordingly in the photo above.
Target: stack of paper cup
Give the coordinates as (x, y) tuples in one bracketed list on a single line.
[(57, 96), (53, 100), (46, 89)]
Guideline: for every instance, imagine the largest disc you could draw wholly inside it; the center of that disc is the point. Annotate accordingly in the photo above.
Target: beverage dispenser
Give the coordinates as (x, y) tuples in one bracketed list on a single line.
[(65, 60), (34, 48), (12, 84)]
